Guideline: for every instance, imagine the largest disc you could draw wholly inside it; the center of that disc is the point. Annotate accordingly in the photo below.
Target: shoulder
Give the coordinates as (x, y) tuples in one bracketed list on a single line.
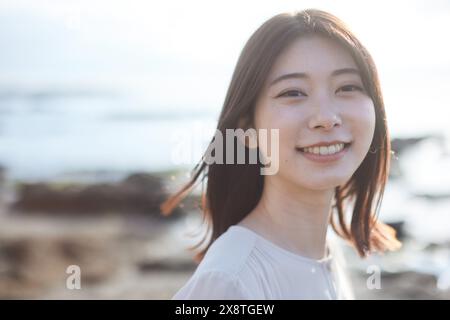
[(213, 284), (229, 253), (222, 272)]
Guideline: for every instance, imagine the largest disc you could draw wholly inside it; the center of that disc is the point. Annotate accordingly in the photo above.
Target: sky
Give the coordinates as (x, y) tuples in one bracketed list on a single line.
[(181, 54)]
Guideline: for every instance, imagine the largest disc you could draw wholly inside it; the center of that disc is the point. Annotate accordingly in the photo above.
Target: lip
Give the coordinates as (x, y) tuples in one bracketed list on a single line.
[(325, 158), (326, 143)]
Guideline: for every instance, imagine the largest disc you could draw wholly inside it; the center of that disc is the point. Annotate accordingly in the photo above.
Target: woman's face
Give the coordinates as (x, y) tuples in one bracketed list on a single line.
[(326, 102)]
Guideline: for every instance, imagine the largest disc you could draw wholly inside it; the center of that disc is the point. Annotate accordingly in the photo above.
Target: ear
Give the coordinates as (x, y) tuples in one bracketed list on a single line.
[(252, 141)]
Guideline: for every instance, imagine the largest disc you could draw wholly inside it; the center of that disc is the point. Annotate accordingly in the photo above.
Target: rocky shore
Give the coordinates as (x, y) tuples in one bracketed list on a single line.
[(113, 231), (126, 249)]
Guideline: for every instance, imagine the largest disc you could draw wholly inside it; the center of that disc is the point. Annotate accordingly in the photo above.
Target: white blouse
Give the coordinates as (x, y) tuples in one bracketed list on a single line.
[(242, 264)]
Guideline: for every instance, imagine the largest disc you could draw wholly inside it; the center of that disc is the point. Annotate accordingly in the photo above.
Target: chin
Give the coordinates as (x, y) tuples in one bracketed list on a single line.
[(321, 184)]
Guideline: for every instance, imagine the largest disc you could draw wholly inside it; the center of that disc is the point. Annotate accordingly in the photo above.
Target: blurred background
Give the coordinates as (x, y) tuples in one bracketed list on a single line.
[(106, 106)]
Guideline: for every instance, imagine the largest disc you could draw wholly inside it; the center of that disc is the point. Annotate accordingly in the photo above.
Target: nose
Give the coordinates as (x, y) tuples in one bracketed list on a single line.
[(324, 116)]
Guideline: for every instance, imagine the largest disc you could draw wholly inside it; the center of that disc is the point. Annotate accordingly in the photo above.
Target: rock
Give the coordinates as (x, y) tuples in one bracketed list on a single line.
[(172, 265), (32, 265), (432, 196), (2, 175), (138, 193), (401, 285), (2, 183), (399, 227), (398, 145)]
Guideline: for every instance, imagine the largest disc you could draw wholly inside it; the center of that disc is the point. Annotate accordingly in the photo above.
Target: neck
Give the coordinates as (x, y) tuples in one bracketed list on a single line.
[(295, 219)]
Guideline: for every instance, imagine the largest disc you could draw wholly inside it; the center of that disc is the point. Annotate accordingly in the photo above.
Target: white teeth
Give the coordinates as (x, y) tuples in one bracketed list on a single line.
[(324, 150)]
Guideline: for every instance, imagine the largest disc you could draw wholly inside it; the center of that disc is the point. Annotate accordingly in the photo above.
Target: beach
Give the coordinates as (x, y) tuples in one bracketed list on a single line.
[(128, 250)]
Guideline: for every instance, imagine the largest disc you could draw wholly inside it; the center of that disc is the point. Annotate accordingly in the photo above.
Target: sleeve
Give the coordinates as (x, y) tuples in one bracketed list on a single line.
[(212, 285)]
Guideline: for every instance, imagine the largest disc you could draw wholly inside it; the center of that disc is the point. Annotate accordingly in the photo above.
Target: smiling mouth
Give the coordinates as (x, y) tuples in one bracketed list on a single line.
[(302, 150)]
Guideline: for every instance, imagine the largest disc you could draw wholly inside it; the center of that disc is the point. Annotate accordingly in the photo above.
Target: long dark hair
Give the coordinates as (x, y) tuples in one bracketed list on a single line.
[(233, 190)]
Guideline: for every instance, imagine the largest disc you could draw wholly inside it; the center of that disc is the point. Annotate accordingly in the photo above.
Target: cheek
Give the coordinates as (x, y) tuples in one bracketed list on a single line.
[(363, 121), (286, 121), (365, 118)]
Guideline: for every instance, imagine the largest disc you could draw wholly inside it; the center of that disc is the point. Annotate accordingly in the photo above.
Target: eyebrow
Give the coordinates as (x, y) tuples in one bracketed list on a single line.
[(302, 75)]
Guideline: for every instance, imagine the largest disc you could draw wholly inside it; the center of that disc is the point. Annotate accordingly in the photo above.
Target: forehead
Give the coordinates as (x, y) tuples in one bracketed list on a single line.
[(315, 55)]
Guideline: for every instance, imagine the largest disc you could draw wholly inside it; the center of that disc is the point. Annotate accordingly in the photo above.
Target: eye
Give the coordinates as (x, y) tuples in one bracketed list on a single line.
[(350, 88), (291, 94)]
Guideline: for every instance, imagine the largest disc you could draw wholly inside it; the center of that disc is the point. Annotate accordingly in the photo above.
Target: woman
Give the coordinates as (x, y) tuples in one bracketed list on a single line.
[(308, 76)]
